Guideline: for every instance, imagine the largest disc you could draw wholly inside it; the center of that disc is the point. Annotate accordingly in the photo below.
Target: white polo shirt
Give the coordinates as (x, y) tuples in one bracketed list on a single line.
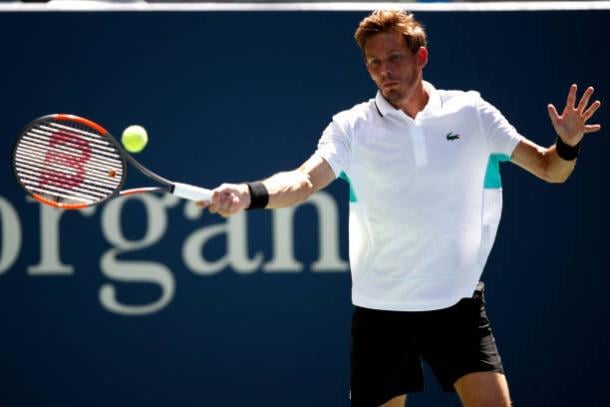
[(419, 232)]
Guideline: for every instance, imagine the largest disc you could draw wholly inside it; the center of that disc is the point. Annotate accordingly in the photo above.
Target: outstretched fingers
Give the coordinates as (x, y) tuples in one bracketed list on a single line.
[(571, 100), (592, 128), (591, 110), (584, 100), (571, 124), (587, 111), (553, 114)]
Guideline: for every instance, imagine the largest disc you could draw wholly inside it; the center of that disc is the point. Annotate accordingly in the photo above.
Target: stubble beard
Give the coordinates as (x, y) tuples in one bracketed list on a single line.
[(393, 96), (398, 95)]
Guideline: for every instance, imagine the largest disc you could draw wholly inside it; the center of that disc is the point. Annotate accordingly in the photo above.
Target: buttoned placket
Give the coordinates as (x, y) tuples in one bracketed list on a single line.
[(416, 134)]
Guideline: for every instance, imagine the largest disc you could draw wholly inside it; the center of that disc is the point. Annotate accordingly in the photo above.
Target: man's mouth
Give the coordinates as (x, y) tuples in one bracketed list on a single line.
[(389, 84)]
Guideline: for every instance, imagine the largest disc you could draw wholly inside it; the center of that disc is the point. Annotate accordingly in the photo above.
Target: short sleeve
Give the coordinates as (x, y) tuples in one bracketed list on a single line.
[(502, 137), (334, 147)]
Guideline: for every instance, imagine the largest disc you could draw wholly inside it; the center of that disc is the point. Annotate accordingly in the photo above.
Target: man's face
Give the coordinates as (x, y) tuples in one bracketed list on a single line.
[(392, 66)]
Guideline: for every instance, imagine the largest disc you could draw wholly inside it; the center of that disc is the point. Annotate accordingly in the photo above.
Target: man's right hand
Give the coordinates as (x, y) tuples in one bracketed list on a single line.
[(227, 199)]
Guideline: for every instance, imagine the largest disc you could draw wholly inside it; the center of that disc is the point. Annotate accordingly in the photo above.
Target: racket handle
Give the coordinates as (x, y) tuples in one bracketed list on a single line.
[(191, 192)]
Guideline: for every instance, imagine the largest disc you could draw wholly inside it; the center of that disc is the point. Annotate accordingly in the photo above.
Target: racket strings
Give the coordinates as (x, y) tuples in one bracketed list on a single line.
[(98, 167), (32, 177), (37, 176), (68, 163)]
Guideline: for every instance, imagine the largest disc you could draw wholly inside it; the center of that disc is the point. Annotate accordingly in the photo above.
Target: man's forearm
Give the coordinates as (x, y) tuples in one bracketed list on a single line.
[(278, 191), (557, 169), (288, 188), (543, 162)]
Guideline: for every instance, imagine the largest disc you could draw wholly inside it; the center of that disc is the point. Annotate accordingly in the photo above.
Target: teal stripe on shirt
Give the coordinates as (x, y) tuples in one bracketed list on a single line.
[(492, 175), (352, 194)]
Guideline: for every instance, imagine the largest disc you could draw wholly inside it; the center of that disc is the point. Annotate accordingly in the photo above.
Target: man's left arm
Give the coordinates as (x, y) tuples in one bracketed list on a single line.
[(556, 163)]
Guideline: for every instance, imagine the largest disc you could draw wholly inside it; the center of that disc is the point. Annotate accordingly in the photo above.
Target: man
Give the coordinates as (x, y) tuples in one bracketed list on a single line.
[(416, 159)]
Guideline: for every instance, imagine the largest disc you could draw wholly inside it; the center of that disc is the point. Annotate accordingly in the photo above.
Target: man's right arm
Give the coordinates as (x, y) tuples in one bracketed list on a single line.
[(285, 188)]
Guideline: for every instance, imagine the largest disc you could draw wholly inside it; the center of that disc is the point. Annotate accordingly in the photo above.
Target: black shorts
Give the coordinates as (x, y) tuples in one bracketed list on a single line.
[(388, 348)]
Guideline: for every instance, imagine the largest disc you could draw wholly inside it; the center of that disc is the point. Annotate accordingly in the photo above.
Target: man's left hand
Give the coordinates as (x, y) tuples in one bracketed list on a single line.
[(571, 125)]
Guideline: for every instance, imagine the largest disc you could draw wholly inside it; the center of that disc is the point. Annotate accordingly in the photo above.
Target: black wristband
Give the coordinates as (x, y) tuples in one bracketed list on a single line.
[(566, 152), (259, 196)]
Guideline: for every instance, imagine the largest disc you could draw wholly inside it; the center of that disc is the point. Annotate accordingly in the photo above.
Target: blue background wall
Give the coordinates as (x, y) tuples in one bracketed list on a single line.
[(237, 96)]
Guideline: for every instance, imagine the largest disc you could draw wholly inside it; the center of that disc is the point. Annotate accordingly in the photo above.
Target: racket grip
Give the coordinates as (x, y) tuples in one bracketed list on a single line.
[(191, 192)]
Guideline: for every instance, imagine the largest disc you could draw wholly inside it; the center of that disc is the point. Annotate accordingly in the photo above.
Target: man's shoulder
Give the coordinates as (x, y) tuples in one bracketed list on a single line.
[(359, 112), (468, 97)]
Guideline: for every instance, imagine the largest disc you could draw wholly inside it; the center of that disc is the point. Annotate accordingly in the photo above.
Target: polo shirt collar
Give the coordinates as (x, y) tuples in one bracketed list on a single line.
[(434, 102)]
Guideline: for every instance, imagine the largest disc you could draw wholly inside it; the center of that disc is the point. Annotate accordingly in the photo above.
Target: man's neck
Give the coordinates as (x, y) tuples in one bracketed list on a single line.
[(415, 102)]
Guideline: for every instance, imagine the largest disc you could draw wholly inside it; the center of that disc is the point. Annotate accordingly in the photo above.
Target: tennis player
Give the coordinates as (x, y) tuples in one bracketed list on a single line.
[(416, 158)]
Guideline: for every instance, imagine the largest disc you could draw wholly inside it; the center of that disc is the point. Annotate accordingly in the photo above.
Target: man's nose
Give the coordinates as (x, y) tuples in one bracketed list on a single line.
[(384, 69)]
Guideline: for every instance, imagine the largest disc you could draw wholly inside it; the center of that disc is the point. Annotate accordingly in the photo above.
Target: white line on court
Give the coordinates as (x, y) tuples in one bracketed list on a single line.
[(141, 6)]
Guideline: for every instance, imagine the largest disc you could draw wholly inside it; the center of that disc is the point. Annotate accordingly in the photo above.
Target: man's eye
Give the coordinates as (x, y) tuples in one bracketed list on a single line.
[(374, 63), (394, 58)]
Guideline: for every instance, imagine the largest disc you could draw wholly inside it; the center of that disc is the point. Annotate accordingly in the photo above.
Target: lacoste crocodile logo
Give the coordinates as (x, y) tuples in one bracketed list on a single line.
[(451, 136)]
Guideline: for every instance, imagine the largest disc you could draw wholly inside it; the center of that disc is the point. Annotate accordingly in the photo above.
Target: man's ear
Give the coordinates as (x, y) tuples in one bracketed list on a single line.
[(422, 56)]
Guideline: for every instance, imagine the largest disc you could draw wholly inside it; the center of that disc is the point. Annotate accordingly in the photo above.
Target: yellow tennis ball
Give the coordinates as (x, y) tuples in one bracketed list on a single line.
[(134, 138)]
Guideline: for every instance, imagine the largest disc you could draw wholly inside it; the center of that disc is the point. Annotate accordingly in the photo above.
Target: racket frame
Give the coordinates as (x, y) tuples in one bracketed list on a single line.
[(167, 185)]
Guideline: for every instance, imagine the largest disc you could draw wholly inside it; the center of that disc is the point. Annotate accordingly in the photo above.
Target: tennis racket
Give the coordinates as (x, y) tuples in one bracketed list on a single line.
[(70, 162)]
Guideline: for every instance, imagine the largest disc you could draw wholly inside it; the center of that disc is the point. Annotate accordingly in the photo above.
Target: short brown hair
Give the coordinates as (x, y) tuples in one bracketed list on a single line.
[(382, 21)]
